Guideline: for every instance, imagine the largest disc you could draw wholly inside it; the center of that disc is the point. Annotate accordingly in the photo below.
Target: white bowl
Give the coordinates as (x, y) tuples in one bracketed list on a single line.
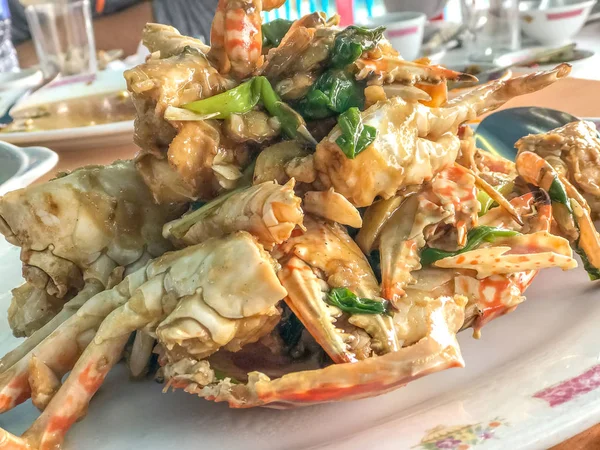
[(554, 26), (404, 30), (431, 8)]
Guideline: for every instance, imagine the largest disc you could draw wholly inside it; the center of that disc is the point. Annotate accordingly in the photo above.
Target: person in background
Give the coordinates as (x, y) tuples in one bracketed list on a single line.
[(118, 23)]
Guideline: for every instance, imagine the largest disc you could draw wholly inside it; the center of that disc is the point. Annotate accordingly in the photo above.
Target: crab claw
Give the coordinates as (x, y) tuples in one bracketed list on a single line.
[(305, 299), (326, 249), (437, 349)]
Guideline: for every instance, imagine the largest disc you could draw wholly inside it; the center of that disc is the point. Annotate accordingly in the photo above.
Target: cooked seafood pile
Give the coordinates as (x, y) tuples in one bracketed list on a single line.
[(308, 220)]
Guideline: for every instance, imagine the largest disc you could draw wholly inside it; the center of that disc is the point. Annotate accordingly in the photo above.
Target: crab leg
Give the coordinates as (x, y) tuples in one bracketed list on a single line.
[(435, 122), (394, 69), (141, 352), (71, 401), (495, 195), (91, 288), (186, 289), (61, 349)]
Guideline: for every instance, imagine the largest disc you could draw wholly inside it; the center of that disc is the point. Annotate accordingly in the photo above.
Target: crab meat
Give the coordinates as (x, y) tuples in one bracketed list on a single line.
[(413, 141)]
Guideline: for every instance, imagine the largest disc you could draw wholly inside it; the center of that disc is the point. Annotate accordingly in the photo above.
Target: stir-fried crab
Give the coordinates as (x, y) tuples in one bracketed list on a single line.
[(283, 291)]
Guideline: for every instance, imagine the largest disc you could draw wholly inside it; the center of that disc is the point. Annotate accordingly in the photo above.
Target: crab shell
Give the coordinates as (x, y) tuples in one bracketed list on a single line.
[(437, 351)]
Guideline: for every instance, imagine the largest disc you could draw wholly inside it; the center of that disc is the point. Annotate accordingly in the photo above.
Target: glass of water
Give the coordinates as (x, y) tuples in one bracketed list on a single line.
[(63, 36), (493, 26)]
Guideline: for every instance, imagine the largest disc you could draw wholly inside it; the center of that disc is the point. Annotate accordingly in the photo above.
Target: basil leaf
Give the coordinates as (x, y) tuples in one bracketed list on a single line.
[(334, 92), (349, 302), (274, 31), (351, 42), (593, 272), (558, 194), (475, 238), (291, 330), (355, 136)]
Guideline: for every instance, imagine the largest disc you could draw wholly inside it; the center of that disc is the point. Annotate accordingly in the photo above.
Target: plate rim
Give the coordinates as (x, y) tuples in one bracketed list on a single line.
[(24, 137), (37, 161)]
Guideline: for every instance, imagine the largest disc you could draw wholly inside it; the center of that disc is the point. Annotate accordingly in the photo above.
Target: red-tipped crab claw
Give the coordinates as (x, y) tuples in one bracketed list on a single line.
[(436, 350), (314, 263)]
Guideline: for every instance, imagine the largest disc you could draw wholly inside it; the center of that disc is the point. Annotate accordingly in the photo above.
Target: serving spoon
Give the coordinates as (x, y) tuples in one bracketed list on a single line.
[(499, 132)]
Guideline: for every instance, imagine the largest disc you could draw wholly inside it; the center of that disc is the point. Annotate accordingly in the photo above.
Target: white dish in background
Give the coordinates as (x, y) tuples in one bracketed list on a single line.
[(18, 80), (555, 25), (532, 381), (76, 138), (21, 166), (70, 139), (77, 86), (404, 30)]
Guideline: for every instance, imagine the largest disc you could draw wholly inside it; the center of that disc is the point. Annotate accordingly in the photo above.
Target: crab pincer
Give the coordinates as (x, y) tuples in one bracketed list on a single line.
[(321, 264)]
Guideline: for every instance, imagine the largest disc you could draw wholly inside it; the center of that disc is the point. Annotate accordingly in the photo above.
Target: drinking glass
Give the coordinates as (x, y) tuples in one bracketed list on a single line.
[(63, 36), (493, 26)]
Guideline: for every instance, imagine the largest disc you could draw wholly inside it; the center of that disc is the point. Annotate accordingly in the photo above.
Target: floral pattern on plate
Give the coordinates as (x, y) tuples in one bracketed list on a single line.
[(567, 390), (461, 437)]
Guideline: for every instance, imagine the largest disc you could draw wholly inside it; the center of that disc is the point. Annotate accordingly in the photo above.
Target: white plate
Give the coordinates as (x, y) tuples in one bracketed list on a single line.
[(21, 166), (533, 380), (105, 135), (67, 139)]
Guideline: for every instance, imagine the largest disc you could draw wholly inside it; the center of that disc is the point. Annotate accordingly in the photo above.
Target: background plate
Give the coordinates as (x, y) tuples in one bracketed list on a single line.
[(21, 166), (70, 139)]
